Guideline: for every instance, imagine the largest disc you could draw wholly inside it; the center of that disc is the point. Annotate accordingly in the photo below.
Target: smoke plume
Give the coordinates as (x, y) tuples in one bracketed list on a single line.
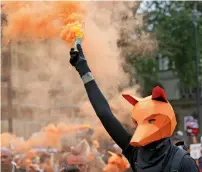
[(41, 73)]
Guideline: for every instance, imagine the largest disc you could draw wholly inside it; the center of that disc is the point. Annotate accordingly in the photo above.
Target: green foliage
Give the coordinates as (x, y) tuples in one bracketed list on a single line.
[(146, 71), (174, 29)]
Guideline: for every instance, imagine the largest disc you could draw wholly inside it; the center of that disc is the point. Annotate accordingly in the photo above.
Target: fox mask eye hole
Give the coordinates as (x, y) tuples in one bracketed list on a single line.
[(135, 122), (151, 121)]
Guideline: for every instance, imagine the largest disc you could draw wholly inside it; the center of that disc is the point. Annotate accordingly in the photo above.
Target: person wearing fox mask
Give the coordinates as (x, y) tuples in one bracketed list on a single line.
[(150, 148)]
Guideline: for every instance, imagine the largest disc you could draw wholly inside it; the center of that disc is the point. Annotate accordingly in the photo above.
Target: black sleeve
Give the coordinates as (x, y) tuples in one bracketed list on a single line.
[(118, 133), (188, 165)]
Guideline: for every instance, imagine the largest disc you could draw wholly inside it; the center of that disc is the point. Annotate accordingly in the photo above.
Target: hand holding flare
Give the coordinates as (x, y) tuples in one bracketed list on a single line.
[(72, 32)]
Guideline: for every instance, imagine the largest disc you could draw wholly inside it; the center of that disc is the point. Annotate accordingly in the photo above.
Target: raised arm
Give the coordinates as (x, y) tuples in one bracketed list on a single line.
[(98, 101)]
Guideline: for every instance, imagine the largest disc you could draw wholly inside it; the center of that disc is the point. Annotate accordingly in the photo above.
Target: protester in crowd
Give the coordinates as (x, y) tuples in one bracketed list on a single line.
[(178, 136), (96, 163), (34, 168), (116, 163), (77, 159), (150, 148), (45, 163), (21, 166), (6, 161)]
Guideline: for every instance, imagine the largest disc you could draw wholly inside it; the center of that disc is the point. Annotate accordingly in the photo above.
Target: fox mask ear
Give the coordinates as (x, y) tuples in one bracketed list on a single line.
[(159, 94), (130, 99)]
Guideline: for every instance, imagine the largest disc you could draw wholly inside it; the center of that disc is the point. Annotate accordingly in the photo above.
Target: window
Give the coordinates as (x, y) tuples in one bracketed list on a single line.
[(163, 63)]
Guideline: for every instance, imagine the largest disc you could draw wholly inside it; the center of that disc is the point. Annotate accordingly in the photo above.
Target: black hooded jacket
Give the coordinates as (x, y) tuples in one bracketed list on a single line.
[(152, 158)]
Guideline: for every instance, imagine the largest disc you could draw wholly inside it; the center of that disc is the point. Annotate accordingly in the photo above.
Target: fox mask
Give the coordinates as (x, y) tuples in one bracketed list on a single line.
[(153, 116)]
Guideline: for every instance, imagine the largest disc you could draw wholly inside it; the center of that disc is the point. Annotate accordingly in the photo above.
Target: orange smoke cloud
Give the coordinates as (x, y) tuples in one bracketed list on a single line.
[(48, 136), (72, 16), (6, 138), (42, 66), (41, 20)]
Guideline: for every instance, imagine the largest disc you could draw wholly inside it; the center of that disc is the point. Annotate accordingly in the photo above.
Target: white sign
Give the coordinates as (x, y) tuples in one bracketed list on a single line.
[(195, 151)]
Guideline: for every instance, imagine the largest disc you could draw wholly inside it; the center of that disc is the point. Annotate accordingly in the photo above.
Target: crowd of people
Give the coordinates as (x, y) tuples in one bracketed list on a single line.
[(86, 155)]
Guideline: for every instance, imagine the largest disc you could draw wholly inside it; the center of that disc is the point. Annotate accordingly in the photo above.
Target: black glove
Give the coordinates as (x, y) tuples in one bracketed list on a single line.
[(77, 59)]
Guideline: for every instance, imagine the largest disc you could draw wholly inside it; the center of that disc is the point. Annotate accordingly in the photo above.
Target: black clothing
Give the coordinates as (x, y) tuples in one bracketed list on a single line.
[(158, 160), (102, 109), (142, 158)]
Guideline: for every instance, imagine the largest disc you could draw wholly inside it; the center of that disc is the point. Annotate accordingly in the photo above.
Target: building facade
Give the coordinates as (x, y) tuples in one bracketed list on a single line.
[(181, 97)]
